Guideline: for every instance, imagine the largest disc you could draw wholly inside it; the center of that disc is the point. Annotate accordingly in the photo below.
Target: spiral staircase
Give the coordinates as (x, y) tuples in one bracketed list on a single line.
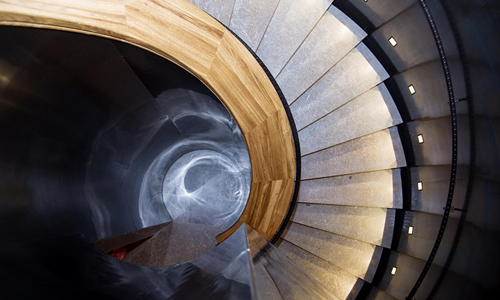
[(346, 120), (343, 224)]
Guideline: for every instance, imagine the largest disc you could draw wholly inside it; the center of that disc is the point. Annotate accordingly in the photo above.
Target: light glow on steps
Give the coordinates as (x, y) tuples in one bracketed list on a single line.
[(346, 117), (379, 151), (373, 189), (355, 74), (290, 25), (372, 111), (250, 19), (336, 280), (332, 38), (371, 225), (356, 257)]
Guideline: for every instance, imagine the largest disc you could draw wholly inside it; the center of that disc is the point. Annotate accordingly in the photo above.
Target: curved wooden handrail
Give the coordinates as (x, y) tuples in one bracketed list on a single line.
[(187, 36)]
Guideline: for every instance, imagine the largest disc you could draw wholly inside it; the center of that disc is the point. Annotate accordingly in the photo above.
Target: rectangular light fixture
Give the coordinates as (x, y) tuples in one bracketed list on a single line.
[(411, 88), (420, 185), (393, 41), (420, 138), (410, 230), (393, 271)]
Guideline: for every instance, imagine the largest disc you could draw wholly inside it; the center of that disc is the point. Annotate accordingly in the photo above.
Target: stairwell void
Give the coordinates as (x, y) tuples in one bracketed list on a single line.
[(103, 138)]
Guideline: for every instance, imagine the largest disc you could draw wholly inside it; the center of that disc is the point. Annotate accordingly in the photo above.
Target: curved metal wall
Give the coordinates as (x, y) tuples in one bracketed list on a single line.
[(90, 128), (465, 265)]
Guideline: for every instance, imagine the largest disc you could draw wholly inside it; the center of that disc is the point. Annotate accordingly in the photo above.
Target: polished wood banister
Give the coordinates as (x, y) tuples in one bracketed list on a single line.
[(187, 36)]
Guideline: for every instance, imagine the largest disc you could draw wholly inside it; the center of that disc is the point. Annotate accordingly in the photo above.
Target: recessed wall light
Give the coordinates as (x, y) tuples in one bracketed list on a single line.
[(393, 271), (420, 185), (393, 41), (420, 138), (411, 88), (410, 230)]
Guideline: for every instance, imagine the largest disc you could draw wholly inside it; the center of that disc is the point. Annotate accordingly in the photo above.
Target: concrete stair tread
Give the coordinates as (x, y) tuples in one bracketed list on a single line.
[(351, 149), (378, 151), (264, 284), (251, 18), (356, 257), (336, 280), (370, 112), (356, 73), (292, 21), (176, 243), (370, 225), (332, 38), (371, 189)]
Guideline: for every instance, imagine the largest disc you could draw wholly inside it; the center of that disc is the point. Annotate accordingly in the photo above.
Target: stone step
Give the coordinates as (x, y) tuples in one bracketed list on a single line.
[(293, 20), (367, 224), (176, 243), (378, 151), (251, 18), (221, 10), (356, 257), (264, 285), (354, 75), (373, 189), (336, 280), (332, 38), (370, 112)]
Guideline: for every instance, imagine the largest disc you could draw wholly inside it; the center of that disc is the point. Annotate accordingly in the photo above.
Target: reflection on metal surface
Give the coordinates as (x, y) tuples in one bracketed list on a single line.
[(206, 187), (186, 135), (91, 127)]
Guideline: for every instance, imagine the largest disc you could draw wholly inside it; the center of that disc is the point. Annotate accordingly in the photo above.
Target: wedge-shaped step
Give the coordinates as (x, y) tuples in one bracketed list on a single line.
[(375, 189), (290, 25), (367, 224), (109, 244), (355, 74), (176, 243), (336, 280), (379, 151), (290, 280), (356, 257), (372, 111), (264, 284), (333, 37), (251, 18), (219, 9)]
